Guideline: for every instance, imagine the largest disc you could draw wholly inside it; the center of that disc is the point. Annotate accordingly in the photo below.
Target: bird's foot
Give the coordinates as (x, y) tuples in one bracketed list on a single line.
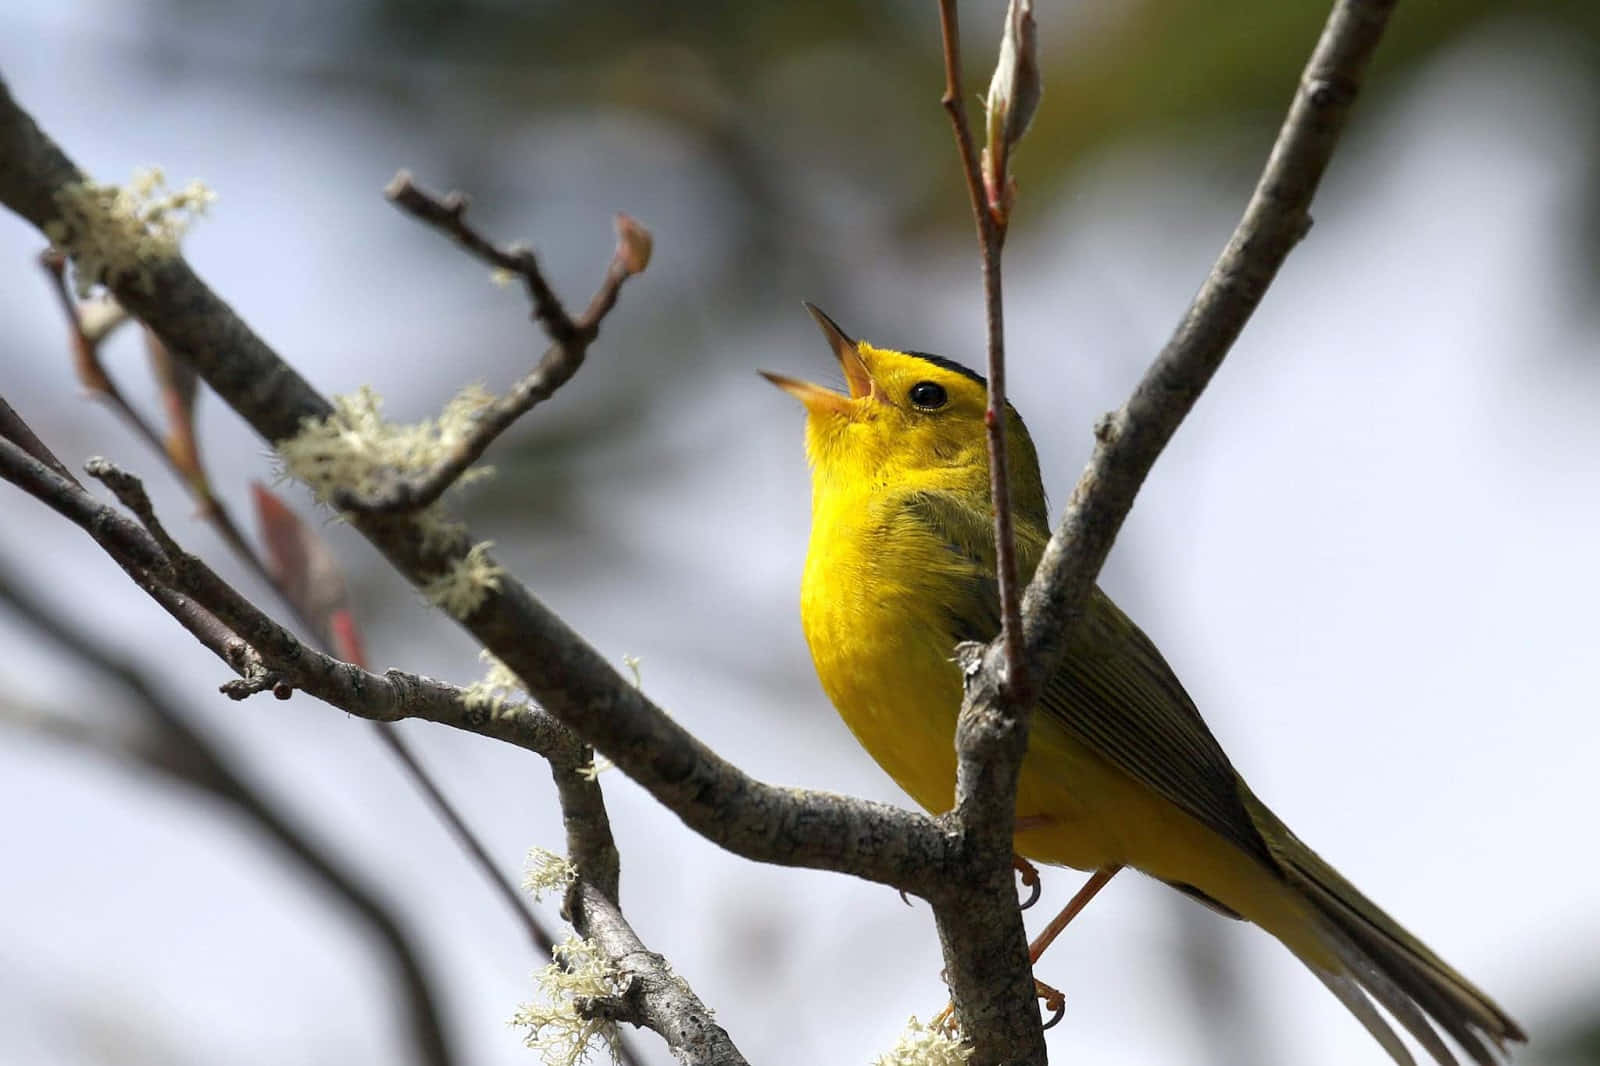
[(1028, 874), (1050, 998)]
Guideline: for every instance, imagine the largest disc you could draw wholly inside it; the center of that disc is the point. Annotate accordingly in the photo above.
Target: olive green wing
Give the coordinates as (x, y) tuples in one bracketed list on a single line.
[(1113, 692)]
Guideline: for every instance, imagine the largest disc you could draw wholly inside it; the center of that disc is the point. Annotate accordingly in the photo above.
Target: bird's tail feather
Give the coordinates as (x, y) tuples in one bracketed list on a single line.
[(1379, 959), (1348, 992)]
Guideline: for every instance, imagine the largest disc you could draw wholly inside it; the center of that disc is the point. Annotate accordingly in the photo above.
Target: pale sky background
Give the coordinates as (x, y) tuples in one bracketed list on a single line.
[(1370, 555)]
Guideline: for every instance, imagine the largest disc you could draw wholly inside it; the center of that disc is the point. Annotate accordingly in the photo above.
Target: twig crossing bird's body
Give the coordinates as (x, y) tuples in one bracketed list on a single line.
[(1120, 770)]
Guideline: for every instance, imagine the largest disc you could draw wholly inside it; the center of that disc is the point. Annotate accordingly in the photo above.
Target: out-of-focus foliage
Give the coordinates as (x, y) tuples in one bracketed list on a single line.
[(753, 82)]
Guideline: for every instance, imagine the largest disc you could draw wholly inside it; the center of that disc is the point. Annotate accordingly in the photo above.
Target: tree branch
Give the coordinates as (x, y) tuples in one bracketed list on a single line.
[(191, 475), (571, 339), (175, 747), (984, 942), (568, 678), (783, 822), (381, 699), (657, 998), (991, 240), (1274, 221), (259, 647)]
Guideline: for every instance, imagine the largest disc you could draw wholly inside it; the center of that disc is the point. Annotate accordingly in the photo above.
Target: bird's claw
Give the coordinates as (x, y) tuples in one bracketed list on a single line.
[(1029, 875), (1053, 1001)]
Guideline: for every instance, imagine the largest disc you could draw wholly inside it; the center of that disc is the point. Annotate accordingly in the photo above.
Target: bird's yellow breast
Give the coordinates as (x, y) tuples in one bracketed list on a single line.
[(884, 600), (883, 603), (875, 617)]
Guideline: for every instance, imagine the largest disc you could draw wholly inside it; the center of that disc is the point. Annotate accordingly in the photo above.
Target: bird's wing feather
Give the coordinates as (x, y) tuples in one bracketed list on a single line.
[(1113, 692)]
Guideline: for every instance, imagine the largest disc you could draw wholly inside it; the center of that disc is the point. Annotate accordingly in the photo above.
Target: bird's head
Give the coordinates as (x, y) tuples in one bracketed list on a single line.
[(908, 420)]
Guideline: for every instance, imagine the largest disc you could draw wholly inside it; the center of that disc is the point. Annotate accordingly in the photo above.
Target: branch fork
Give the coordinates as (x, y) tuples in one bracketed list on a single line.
[(570, 339)]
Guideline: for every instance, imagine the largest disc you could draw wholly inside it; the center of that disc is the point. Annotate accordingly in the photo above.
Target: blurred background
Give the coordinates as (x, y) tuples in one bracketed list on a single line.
[(1370, 552)]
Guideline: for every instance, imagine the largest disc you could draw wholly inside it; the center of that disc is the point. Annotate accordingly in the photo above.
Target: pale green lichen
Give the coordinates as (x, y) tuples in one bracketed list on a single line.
[(113, 231), (356, 450), (555, 1028), (596, 766), (920, 1045), (547, 872), (463, 587), (496, 690)]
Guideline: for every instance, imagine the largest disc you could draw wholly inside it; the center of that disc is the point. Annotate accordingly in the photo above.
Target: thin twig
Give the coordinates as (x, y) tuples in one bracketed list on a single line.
[(570, 340), (449, 215), (218, 516), (18, 432), (569, 678), (102, 386), (1275, 220), (1018, 684), (177, 748), (254, 643), (991, 981), (671, 1010), (656, 997)]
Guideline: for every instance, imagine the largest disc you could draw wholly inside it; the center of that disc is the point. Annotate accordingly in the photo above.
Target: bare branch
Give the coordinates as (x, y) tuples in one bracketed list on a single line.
[(991, 239), (1275, 220), (265, 649), (171, 745), (571, 339), (449, 215), (564, 674), (985, 949), (656, 998), (386, 698), (180, 450), (18, 432)]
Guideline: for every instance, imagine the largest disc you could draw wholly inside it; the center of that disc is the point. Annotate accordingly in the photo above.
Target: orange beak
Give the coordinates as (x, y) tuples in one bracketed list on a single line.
[(817, 397)]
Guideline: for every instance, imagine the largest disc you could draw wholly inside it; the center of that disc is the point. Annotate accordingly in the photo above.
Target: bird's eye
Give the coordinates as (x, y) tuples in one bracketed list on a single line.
[(929, 395)]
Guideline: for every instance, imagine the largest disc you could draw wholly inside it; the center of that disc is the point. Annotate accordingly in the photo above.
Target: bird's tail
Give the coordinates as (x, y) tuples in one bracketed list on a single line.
[(1375, 959)]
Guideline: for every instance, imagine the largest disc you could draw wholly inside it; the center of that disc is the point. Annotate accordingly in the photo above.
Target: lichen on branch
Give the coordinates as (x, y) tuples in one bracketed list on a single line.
[(115, 231), (559, 1028)]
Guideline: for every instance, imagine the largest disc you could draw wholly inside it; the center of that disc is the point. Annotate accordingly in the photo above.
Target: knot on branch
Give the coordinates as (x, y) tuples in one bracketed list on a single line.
[(242, 688), (1327, 93), (991, 712)]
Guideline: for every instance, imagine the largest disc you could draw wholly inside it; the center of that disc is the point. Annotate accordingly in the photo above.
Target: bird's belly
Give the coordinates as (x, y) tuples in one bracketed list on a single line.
[(900, 694)]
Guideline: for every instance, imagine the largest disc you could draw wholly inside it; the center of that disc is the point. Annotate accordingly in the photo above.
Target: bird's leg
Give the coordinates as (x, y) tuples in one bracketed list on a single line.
[(1098, 880), (1025, 869), (1029, 874), (1053, 1000)]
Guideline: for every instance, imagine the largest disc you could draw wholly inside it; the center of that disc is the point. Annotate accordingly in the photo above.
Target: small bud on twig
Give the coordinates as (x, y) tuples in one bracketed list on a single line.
[(1014, 94), (634, 244)]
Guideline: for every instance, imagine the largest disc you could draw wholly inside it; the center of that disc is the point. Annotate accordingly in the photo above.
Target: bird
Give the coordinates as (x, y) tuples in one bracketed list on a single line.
[(1121, 770)]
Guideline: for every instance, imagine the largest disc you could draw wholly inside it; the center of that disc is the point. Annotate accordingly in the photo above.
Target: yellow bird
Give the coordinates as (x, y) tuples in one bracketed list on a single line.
[(1120, 770)]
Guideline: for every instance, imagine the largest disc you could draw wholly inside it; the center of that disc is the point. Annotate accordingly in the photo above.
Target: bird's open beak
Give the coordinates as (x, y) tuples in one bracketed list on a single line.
[(817, 397)]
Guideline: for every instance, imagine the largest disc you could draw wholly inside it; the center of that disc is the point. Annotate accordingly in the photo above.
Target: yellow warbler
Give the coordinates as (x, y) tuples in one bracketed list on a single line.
[(1120, 770)]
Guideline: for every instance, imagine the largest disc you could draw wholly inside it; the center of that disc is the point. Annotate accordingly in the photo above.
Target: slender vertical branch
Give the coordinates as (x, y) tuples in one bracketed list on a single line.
[(991, 240), (1129, 440), (986, 961)]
